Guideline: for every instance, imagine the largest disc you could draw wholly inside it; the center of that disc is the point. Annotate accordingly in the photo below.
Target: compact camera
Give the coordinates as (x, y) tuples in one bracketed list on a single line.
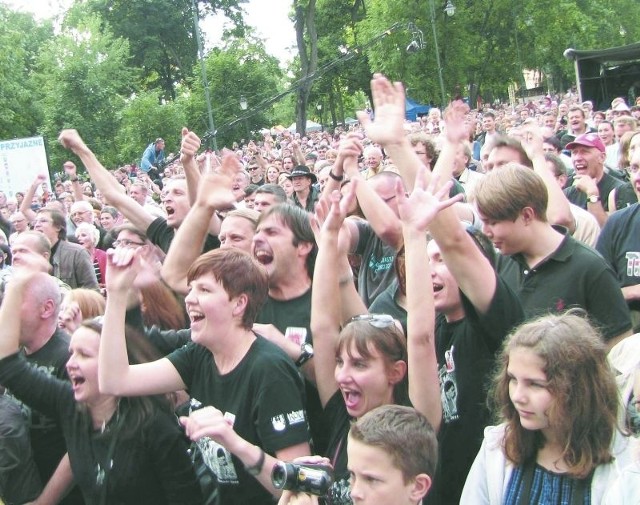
[(302, 478)]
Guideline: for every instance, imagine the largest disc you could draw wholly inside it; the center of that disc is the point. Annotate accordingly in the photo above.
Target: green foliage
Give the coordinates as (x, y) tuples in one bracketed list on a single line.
[(145, 118), (84, 77), (241, 68), (20, 37)]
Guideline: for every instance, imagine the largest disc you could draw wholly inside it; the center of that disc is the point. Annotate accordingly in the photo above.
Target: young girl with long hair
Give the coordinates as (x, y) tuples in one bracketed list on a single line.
[(559, 441)]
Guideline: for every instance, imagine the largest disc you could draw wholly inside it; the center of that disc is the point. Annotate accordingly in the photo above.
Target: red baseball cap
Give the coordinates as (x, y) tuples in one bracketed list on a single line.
[(587, 140)]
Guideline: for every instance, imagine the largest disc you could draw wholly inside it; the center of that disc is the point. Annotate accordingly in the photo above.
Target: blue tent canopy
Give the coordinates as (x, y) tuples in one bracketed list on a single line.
[(413, 109)]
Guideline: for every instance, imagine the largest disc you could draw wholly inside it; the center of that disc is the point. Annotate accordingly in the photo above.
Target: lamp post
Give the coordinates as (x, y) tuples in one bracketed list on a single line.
[(243, 106), (319, 107), (450, 10), (205, 82)]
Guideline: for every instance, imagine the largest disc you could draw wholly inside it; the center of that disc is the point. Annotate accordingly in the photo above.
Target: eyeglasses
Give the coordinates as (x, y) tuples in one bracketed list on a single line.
[(251, 169), (375, 320), (127, 243)]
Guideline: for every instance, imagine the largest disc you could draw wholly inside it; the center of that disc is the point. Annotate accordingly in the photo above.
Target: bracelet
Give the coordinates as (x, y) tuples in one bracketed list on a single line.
[(257, 468), (335, 177)]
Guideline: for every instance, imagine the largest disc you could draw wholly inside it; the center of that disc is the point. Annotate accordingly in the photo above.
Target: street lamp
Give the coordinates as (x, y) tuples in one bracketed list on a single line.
[(243, 106), (450, 9), (319, 107)]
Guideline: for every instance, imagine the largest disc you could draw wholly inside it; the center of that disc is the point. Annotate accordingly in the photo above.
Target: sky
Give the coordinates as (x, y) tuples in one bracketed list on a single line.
[(268, 17)]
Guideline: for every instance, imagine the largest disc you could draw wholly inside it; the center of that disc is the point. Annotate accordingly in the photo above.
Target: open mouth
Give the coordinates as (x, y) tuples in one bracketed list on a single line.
[(169, 210), (196, 317), (351, 398), (437, 287), (263, 257), (77, 381)]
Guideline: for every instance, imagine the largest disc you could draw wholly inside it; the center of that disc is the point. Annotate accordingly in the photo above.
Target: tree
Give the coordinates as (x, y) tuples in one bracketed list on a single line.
[(20, 39), (307, 41), (83, 78), (143, 119), (241, 68)]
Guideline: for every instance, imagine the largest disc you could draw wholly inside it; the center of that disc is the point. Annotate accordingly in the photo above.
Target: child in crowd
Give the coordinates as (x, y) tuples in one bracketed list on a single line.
[(559, 441), (392, 458)]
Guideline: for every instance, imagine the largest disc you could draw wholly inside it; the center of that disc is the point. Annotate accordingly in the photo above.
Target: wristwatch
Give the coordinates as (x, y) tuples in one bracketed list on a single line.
[(593, 198), (305, 355)]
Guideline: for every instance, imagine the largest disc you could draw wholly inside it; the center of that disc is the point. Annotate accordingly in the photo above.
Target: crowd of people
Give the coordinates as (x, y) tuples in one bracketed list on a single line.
[(443, 311)]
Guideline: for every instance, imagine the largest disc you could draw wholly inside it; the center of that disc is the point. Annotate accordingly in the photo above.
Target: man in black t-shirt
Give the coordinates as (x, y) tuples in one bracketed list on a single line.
[(47, 348), (593, 189), (619, 244), (175, 199)]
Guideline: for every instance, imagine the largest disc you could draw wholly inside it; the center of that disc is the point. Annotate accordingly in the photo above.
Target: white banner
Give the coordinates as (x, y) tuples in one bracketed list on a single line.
[(21, 160)]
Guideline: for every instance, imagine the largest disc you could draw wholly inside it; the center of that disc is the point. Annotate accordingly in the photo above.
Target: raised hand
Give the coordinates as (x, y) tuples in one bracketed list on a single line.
[(189, 146), (123, 266), (70, 169), (389, 108), (216, 187), (418, 210), (348, 151), (40, 179), (456, 128), (70, 318), (532, 140), (331, 211), (70, 139)]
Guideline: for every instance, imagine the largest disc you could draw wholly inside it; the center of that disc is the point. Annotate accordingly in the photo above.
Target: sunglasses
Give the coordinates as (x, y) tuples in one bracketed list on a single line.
[(375, 320)]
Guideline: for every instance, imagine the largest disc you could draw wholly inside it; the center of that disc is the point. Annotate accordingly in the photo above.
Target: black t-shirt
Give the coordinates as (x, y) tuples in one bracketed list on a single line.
[(619, 244), (574, 275), (606, 184), (46, 434), (466, 351), (151, 468), (336, 416), (161, 234), (263, 398), (385, 303), (19, 478), (283, 314), (296, 313)]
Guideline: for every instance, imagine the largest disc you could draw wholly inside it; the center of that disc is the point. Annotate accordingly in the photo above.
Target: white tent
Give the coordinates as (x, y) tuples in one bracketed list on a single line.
[(311, 127)]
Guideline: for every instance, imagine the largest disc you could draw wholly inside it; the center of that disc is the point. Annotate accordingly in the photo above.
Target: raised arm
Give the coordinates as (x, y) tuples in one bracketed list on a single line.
[(214, 193), (115, 375), (325, 297), (473, 272), (71, 170), (382, 219), (387, 129), (112, 190), (558, 210), (25, 206), (417, 212)]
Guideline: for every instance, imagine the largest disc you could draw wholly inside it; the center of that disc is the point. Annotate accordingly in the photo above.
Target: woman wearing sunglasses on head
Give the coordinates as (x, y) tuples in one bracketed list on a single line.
[(121, 450), (366, 363)]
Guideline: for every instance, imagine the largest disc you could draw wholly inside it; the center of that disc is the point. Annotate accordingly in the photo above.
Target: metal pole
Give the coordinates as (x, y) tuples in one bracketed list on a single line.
[(435, 44), (205, 82)]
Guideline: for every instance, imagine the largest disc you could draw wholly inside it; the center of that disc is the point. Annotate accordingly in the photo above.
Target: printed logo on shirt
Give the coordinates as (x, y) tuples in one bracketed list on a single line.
[(380, 265), (278, 422), (218, 460), (295, 417), (633, 264), (449, 388)]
